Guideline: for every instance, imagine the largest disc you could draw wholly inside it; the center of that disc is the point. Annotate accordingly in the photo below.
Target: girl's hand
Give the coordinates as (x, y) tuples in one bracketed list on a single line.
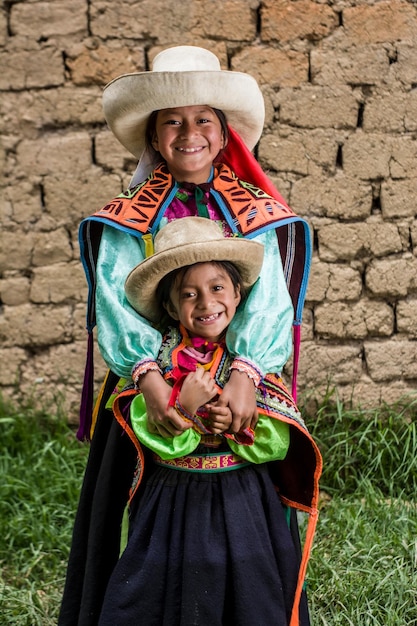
[(162, 419), (197, 389), (239, 395), (220, 418)]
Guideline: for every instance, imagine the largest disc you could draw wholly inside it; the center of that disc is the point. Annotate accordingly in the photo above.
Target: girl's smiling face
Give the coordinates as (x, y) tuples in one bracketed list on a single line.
[(189, 139), (204, 300)]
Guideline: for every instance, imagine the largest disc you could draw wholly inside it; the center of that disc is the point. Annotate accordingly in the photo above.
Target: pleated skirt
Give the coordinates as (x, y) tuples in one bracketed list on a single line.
[(206, 549)]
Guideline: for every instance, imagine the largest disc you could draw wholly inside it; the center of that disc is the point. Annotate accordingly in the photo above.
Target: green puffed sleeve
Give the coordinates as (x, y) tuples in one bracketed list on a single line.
[(272, 440), (166, 447)]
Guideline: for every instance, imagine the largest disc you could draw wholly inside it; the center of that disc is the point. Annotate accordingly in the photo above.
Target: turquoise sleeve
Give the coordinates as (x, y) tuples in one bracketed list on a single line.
[(124, 337), (261, 330)]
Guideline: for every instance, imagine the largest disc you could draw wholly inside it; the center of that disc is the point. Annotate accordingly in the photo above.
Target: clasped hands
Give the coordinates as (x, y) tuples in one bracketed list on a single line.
[(234, 410)]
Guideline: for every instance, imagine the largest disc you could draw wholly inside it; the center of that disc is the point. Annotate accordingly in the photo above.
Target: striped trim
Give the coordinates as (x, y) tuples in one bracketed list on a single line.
[(289, 261), (212, 462)]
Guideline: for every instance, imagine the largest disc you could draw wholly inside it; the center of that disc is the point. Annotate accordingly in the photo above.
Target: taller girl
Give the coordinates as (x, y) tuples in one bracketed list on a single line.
[(192, 126)]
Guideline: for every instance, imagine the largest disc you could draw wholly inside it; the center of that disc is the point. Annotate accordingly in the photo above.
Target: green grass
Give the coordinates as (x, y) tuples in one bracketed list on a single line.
[(367, 448), (363, 569), (41, 468)]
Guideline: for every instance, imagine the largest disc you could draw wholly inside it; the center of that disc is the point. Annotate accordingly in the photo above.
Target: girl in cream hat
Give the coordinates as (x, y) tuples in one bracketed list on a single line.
[(192, 127), (200, 277)]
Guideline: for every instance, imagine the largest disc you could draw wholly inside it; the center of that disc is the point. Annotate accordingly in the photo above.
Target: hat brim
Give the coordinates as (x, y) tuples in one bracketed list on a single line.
[(129, 100), (143, 280)]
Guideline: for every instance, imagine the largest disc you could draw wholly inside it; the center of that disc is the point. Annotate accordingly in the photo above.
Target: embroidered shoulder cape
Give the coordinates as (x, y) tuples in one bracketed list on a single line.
[(247, 210)]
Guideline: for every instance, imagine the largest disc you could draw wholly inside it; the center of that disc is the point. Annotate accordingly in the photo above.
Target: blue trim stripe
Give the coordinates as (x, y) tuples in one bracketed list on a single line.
[(306, 273)]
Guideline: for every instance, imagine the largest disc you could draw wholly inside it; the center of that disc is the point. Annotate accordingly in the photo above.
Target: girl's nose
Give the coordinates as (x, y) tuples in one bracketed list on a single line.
[(187, 129), (205, 300)]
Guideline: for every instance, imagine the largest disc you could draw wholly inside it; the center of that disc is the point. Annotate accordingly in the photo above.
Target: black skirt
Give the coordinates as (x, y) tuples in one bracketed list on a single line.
[(206, 549)]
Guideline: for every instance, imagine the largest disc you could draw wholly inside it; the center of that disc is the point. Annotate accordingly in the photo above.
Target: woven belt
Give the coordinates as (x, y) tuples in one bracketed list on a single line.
[(212, 462)]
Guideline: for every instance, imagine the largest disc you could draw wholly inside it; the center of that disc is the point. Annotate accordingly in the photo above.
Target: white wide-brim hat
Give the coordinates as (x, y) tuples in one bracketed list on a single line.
[(182, 76), (183, 242)]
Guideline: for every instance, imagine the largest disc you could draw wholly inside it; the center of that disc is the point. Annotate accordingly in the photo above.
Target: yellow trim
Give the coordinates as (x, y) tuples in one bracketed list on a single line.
[(148, 241), (97, 405)]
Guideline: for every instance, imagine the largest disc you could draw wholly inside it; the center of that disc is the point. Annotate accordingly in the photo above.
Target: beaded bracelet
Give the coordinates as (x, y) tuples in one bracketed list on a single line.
[(188, 417), (143, 367), (241, 365)]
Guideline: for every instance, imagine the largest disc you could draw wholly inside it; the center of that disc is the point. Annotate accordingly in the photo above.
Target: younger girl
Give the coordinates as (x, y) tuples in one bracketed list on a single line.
[(201, 295), (209, 539)]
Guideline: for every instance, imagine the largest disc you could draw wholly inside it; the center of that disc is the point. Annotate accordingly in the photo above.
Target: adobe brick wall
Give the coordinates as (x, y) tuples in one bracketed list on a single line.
[(340, 85)]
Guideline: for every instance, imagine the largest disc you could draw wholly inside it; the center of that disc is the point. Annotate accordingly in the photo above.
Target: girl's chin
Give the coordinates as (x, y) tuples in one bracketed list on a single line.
[(210, 334), (190, 174)]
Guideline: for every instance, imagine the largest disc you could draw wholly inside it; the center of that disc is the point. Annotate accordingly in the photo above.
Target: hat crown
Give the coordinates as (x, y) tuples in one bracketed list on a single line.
[(181, 232), (186, 59), (184, 242)]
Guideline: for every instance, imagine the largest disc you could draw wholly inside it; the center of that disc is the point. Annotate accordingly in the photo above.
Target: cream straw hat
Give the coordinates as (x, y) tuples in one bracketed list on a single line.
[(182, 76), (184, 242)]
